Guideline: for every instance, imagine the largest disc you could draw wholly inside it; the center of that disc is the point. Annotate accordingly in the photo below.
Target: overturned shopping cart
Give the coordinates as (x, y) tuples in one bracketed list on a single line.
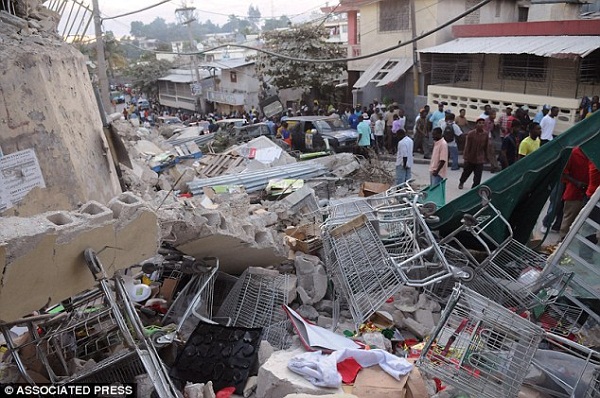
[(100, 328), (486, 350)]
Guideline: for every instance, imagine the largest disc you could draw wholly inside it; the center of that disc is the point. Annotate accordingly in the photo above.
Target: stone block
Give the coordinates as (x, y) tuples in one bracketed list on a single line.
[(325, 322), (275, 380), (416, 328), (308, 312), (305, 263), (324, 306), (425, 318), (125, 205), (41, 263), (96, 212)]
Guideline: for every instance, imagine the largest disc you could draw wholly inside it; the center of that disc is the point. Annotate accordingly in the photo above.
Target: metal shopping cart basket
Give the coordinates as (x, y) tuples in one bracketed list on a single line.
[(99, 327), (486, 350), (510, 273)]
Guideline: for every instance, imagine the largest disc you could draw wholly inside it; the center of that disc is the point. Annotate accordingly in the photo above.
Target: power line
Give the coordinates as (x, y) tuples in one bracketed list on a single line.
[(383, 51), (137, 11)]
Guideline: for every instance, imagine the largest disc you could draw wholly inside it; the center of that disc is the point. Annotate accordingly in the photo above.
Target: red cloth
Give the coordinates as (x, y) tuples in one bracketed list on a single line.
[(577, 167), (225, 392), (594, 180), (348, 368)]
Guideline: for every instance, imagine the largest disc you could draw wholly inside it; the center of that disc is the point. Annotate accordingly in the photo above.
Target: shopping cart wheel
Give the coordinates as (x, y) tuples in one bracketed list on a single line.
[(92, 261), (469, 220), (485, 193), (465, 274), (428, 208)]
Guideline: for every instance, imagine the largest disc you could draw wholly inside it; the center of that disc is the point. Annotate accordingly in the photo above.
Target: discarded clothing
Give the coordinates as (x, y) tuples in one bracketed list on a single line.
[(321, 369)]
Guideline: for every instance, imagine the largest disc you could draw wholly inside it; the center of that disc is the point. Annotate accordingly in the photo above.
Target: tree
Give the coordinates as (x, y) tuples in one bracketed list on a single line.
[(274, 23), (304, 42), (254, 17), (145, 75)]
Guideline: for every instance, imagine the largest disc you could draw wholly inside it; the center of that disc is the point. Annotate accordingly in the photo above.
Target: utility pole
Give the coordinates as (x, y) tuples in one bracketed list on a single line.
[(100, 60), (186, 17)]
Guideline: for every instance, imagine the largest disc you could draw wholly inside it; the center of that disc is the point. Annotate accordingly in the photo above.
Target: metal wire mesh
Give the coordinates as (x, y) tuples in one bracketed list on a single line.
[(360, 267), (256, 299), (196, 299), (594, 388), (343, 212), (279, 335), (558, 318), (122, 367), (481, 347)]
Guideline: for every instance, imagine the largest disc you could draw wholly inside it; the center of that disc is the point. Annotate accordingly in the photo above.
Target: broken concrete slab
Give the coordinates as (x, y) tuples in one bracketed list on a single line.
[(41, 258), (425, 318), (275, 380), (340, 164), (416, 328)]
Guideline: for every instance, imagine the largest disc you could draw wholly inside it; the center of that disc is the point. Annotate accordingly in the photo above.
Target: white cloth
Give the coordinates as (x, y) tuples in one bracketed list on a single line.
[(321, 370), (391, 364), (379, 127)]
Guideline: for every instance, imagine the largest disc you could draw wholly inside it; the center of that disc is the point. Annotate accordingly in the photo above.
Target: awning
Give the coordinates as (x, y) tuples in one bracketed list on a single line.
[(543, 46), (384, 71)]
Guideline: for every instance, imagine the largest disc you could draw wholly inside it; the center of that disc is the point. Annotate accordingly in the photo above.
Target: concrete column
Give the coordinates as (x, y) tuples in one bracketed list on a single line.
[(352, 27)]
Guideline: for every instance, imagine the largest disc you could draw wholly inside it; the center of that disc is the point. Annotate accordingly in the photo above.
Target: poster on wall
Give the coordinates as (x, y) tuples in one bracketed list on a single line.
[(19, 173)]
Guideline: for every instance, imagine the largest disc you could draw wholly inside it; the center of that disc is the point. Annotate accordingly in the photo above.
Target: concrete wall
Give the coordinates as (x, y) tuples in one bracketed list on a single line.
[(553, 12), (47, 103)]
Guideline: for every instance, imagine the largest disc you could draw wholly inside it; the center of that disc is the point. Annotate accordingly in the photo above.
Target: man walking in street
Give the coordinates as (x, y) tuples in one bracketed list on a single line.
[(450, 133), (420, 131), (364, 136), (576, 176), (532, 142), (474, 154), (379, 130), (547, 125), (491, 127), (438, 166), (404, 158)]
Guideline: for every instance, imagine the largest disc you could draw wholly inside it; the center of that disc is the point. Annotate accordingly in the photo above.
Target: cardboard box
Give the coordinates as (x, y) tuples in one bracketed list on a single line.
[(305, 238), (372, 188), (374, 382)]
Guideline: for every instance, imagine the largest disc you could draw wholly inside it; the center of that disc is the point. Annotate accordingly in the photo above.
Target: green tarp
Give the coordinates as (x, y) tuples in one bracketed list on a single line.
[(520, 191)]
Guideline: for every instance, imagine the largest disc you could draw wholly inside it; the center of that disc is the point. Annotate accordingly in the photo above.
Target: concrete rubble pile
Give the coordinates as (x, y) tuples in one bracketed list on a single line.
[(254, 263), (232, 272)]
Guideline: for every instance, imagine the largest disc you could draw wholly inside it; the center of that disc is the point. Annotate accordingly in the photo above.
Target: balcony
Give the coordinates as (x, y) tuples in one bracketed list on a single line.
[(223, 97)]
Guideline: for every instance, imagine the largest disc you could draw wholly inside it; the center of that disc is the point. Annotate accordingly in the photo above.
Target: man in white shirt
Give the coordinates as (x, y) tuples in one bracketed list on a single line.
[(404, 158), (379, 130), (451, 138), (547, 124)]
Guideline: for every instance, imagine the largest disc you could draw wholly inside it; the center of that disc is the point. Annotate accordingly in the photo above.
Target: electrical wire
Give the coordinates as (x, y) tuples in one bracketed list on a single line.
[(137, 11), (367, 56)]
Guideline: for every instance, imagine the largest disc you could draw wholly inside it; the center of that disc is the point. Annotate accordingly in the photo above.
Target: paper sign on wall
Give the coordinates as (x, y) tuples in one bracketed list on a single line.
[(19, 173)]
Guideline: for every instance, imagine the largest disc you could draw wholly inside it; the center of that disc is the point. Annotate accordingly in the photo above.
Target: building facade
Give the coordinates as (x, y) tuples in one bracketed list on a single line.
[(403, 72)]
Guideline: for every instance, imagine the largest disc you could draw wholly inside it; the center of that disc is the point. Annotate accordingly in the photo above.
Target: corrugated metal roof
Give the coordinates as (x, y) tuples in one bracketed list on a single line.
[(185, 76), (371, 71), (396, 72), (544, 46), (391, 69), (230, 63)]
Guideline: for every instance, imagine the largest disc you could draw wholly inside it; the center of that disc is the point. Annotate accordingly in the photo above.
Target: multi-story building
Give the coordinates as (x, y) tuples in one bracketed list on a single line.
[(237, 87), (406, 72), (181, 90)]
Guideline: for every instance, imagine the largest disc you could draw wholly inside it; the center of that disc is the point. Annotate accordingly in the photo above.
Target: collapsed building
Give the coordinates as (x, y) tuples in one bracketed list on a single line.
[(128, 257)]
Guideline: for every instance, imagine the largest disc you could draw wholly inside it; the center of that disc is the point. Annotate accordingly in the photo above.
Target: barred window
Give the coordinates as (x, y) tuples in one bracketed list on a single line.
[(474, 17), (522, 67), (394, 15), (589, 69)]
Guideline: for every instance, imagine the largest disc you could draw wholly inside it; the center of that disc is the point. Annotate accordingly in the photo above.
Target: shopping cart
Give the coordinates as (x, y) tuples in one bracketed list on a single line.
[(99, 327), (510, 273), (486, 350), (196, 299), (367, 275)]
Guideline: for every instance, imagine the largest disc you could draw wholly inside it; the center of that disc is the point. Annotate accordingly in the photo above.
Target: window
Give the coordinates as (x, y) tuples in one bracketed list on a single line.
[(233, 77), (523, 14), (474, 17), (522, 67), (449, 68), (394, 15), (589, 69)]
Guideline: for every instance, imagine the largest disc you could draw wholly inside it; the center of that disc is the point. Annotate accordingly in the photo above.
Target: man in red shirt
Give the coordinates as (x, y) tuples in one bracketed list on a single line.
[(576, 177)]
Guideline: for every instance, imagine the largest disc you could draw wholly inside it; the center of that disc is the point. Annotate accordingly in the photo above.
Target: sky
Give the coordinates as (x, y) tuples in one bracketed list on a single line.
[(215, 10)]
